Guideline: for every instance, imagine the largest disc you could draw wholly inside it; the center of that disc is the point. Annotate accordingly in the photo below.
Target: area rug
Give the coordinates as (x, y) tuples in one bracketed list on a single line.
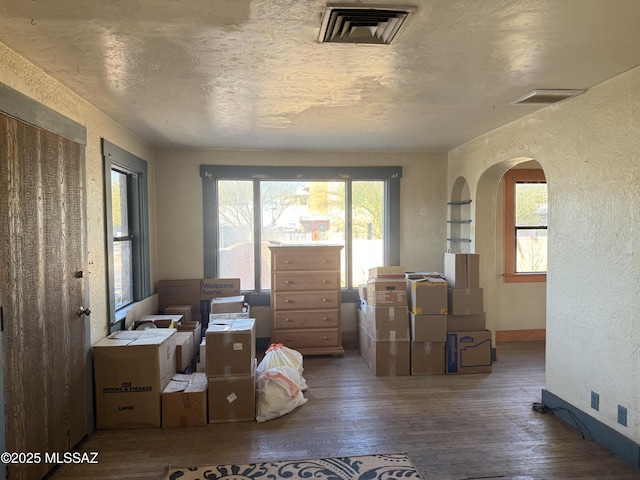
[(368, 467)]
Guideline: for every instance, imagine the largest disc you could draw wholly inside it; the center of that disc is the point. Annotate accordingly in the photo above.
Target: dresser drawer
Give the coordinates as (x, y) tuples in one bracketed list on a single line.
[(308, 338), (288, 281), (305, 300), (306, 259), (291, 319)]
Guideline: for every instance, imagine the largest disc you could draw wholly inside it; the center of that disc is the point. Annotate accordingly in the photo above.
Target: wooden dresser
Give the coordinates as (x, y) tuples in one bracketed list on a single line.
[(305, 298)]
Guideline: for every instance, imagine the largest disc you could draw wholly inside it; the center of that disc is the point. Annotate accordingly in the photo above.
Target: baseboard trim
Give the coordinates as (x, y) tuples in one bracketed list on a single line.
[(521, 335), (602, 434)]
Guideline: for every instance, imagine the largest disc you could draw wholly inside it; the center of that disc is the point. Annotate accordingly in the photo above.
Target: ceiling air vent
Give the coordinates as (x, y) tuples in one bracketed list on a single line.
[(546, 97), (378, 26)]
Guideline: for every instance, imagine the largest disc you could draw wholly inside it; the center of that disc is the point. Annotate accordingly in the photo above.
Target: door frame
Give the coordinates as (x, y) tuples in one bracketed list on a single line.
[(25, 109)]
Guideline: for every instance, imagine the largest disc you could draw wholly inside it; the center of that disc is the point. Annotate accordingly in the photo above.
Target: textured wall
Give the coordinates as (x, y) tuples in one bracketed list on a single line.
[(24, 77), (589, 149)]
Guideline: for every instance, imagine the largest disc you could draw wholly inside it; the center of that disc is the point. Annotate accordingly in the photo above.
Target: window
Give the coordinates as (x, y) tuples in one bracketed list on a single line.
[(526, 224), (247, 208), (127, 229)]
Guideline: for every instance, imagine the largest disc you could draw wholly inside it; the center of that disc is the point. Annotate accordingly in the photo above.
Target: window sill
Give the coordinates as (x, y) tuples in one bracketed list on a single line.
[(525, 277)]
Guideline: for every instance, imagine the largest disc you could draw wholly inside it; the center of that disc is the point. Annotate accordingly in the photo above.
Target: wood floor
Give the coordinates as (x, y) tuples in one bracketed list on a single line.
[(452, 427)]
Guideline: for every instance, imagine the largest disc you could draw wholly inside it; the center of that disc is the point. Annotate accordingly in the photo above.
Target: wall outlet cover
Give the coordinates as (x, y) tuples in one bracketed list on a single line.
[(622, 415), (595, 401)]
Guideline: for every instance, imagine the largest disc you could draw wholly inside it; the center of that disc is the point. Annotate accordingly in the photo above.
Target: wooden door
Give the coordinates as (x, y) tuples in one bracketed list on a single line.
[(41, 289)]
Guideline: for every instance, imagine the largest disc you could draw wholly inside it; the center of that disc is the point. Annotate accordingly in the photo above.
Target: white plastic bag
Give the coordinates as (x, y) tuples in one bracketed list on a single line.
[(278, 392), (278, 355)]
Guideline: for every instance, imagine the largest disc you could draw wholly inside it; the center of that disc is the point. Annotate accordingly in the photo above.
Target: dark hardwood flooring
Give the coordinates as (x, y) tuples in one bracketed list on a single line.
[(452, 427)]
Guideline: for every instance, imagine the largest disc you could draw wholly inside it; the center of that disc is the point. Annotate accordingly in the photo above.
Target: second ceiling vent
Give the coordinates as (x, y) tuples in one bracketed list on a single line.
[(376, 26)]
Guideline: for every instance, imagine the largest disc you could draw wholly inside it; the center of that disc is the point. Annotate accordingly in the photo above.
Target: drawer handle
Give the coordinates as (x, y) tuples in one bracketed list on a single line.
[(324, 338), (287, 282), (324, 261), (325, 300), (287, 319), (287, 301), (288, 339), (286, 261), (324, 281), (325, 318)]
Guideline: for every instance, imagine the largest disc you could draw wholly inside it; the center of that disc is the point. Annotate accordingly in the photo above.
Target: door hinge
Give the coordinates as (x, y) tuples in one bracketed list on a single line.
[(1, 319)]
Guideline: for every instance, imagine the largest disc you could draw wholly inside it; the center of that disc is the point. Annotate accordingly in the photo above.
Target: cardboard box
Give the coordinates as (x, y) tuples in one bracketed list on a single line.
[(385, 357), (387, 292), (427, 295), (428, 328), (466, 323), (462, 270), (196, 330), (231, 349), (184, 401), (428, 358), (392, 271), (131, 369), (469, 352), (232, 399), (387, 323), (184, 310), (160, 321), (466, 301), (196, 292), (185, 350), (233, 304)]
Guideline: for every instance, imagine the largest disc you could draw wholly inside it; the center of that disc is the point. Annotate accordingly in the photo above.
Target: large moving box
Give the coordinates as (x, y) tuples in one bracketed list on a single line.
[(387, 323), (462, 270), (131, 369), (427, 358), (427, 295), (387, 292)]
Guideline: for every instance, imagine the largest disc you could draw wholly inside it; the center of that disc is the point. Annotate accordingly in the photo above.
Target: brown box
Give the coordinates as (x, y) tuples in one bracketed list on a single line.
[(384, 357), (184, 310), (428, 358), (387, 323), (184, 401), (131, 369), (391, 271), (469, 352), (185, 350), (234, 304), (232, 399), (466, 323), (427, 295), (462, 270), (196, 330), (387, 292), (231, 349), (197, 293), (428, 328), (466, 301), (180, 292)]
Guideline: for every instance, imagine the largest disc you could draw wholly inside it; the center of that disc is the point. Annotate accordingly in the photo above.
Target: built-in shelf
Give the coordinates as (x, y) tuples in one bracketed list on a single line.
[(460, 202), (458, 221), (461, 240)]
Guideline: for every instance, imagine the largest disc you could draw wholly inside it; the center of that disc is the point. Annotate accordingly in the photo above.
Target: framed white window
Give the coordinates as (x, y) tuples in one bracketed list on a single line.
[(127, 229)]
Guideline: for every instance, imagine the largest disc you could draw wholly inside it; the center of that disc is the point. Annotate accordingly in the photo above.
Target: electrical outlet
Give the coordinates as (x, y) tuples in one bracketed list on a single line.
[(622, 415), (595, 401)]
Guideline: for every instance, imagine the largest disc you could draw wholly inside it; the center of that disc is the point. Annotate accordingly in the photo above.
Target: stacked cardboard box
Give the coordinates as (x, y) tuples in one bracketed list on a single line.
[(428, 319), (231, 370), (384, 322), (131, 369), (184, 401), (469, 344)]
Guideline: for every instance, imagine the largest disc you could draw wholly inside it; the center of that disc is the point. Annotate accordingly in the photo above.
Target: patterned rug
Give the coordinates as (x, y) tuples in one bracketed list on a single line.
[(368, 467)]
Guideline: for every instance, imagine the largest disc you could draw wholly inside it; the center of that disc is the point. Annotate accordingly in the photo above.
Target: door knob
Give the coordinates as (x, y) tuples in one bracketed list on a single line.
[(84, 311)]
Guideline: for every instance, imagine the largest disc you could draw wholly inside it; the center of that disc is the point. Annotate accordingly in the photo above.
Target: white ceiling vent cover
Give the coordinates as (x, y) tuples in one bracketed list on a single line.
[(375, 25), (546, 96)]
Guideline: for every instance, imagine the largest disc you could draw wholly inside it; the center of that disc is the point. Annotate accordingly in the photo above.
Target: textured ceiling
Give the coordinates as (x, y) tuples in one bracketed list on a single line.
[(252, 74)]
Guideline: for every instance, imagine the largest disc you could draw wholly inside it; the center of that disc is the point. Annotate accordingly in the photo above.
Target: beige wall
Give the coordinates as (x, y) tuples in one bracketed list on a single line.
[(589, 149), (24, 77)]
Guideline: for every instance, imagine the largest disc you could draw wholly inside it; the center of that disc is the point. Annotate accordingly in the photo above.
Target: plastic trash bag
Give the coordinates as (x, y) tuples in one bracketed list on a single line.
[(278, 392), (278, 355)]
